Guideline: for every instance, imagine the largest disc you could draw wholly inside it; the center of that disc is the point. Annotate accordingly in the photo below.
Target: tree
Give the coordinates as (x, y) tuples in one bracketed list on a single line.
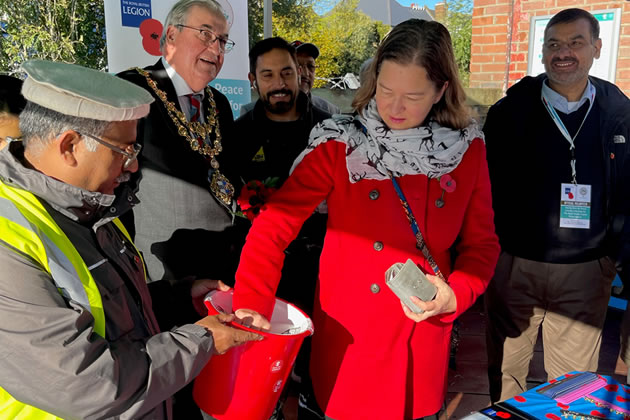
[(345, 36), (255, 12), (459, 23), (286, 13), (63, 30)]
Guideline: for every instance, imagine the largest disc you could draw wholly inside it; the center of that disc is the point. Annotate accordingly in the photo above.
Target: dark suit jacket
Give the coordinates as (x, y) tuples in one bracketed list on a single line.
[(181, 228)]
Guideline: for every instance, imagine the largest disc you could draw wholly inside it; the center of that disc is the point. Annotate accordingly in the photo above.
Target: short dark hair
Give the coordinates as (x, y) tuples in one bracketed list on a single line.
[(571, 15), (267, 45), (11, 100)]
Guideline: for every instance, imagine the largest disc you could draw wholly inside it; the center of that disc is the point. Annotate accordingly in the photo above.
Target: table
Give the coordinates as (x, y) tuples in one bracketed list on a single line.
[(609, 402)]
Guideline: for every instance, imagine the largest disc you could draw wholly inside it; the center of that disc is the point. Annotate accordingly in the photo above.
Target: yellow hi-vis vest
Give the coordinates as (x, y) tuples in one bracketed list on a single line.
[(29, 230)]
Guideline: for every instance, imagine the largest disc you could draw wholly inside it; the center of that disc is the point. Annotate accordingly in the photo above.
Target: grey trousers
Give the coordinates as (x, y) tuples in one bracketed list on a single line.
[(569, 302)]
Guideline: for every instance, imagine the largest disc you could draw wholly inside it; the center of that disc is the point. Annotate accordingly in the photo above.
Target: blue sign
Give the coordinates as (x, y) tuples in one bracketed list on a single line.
[(237, 91), (133, 12)]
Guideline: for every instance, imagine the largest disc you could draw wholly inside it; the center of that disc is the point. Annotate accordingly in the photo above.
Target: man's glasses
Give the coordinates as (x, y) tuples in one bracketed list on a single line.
[(208, 37), (574, 45), (130, 152)]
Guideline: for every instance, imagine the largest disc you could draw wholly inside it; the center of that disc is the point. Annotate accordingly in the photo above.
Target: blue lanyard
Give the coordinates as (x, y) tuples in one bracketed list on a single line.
[(563, 129), (420, 243)]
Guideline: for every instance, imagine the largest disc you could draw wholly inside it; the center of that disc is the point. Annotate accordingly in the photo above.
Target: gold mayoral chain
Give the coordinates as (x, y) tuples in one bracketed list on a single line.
[(198, 136)]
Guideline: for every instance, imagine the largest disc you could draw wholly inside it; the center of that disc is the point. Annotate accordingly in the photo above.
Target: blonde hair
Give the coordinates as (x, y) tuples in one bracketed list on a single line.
[(428, 45)]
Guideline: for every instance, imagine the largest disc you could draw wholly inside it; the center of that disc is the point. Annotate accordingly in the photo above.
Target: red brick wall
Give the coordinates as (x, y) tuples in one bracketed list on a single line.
[(491, 41)]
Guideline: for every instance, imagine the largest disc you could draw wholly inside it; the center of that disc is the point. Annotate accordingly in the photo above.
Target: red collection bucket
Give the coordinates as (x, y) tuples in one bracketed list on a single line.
[(246, 381)]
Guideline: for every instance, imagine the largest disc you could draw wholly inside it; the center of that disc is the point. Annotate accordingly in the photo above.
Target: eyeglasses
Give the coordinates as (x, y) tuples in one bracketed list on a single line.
[(208, 37), (574, 45), (130, 152)]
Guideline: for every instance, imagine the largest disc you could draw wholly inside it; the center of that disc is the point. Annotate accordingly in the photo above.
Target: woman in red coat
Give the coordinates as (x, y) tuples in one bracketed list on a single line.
[(372, 357)]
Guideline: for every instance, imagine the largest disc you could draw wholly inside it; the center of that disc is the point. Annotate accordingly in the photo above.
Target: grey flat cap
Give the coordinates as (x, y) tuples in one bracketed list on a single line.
[(81, 92)]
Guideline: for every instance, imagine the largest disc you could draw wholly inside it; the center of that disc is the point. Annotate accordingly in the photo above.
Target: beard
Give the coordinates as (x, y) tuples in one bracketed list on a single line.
[(279, 107)]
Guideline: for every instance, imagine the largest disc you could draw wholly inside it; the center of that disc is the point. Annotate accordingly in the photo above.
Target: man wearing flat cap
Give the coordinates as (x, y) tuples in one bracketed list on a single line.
[(78, 331)]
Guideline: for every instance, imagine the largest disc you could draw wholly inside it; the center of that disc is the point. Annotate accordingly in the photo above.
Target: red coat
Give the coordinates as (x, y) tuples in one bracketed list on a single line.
[(368, 359)]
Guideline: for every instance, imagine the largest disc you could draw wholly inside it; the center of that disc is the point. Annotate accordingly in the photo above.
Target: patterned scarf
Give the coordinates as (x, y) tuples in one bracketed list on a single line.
[(373, 149)]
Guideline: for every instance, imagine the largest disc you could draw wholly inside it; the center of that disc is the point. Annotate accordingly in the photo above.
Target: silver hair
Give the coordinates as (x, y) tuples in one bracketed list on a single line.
[(40, 126), (179, 14)]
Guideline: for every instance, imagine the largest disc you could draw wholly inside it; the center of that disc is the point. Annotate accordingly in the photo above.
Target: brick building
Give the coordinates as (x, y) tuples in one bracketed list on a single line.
[(500, 38)]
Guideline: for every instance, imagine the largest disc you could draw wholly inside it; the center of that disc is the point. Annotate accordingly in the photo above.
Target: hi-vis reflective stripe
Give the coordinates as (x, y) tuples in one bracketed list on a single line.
[(49, 256), (11, 409), (27, 227)]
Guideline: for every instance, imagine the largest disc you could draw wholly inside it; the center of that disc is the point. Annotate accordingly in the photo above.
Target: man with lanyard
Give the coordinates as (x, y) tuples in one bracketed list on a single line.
[(556, 151), (78, 323), (267, 140)]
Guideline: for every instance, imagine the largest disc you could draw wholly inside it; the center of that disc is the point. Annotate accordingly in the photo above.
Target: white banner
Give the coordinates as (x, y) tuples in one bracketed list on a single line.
[(134, 28)]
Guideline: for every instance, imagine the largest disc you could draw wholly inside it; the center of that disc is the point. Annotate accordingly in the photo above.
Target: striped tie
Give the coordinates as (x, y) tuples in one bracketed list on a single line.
[(195, 106)]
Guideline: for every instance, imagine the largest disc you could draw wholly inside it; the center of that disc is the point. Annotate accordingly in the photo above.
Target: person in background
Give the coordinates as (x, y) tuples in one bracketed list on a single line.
[(557, 155), (11, 104), (306, 55), (267, 140), (183, 224), (410, 149), (184, 219), (79, 334)]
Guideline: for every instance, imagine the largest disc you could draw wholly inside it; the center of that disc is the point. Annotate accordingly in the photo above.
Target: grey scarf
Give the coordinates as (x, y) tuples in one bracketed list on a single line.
[(373, 149)]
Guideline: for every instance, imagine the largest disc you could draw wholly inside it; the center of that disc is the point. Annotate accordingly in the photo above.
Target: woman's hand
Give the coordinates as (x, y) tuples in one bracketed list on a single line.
[(252, 319), (200, 289), (444, 302)]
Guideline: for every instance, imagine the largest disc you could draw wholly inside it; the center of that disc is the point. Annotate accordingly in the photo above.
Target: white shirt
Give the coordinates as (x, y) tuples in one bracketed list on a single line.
[(182, 89), (561, 103)]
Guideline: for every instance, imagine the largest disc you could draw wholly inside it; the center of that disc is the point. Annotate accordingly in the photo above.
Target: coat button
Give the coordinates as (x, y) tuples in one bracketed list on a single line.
[(375, 288), (374, 194), (378, 246)]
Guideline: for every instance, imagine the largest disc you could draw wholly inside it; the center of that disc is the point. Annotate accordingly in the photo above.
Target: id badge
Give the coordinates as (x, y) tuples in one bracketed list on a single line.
[(575, 206)]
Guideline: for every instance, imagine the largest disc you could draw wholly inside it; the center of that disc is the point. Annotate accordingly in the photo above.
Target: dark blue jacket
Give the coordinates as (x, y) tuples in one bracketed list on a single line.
[(512, 127)]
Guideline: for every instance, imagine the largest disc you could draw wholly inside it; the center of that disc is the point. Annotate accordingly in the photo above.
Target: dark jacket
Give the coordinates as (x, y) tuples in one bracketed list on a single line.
[(181, 228), (281, 142), (515, 131), (263, 150)]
